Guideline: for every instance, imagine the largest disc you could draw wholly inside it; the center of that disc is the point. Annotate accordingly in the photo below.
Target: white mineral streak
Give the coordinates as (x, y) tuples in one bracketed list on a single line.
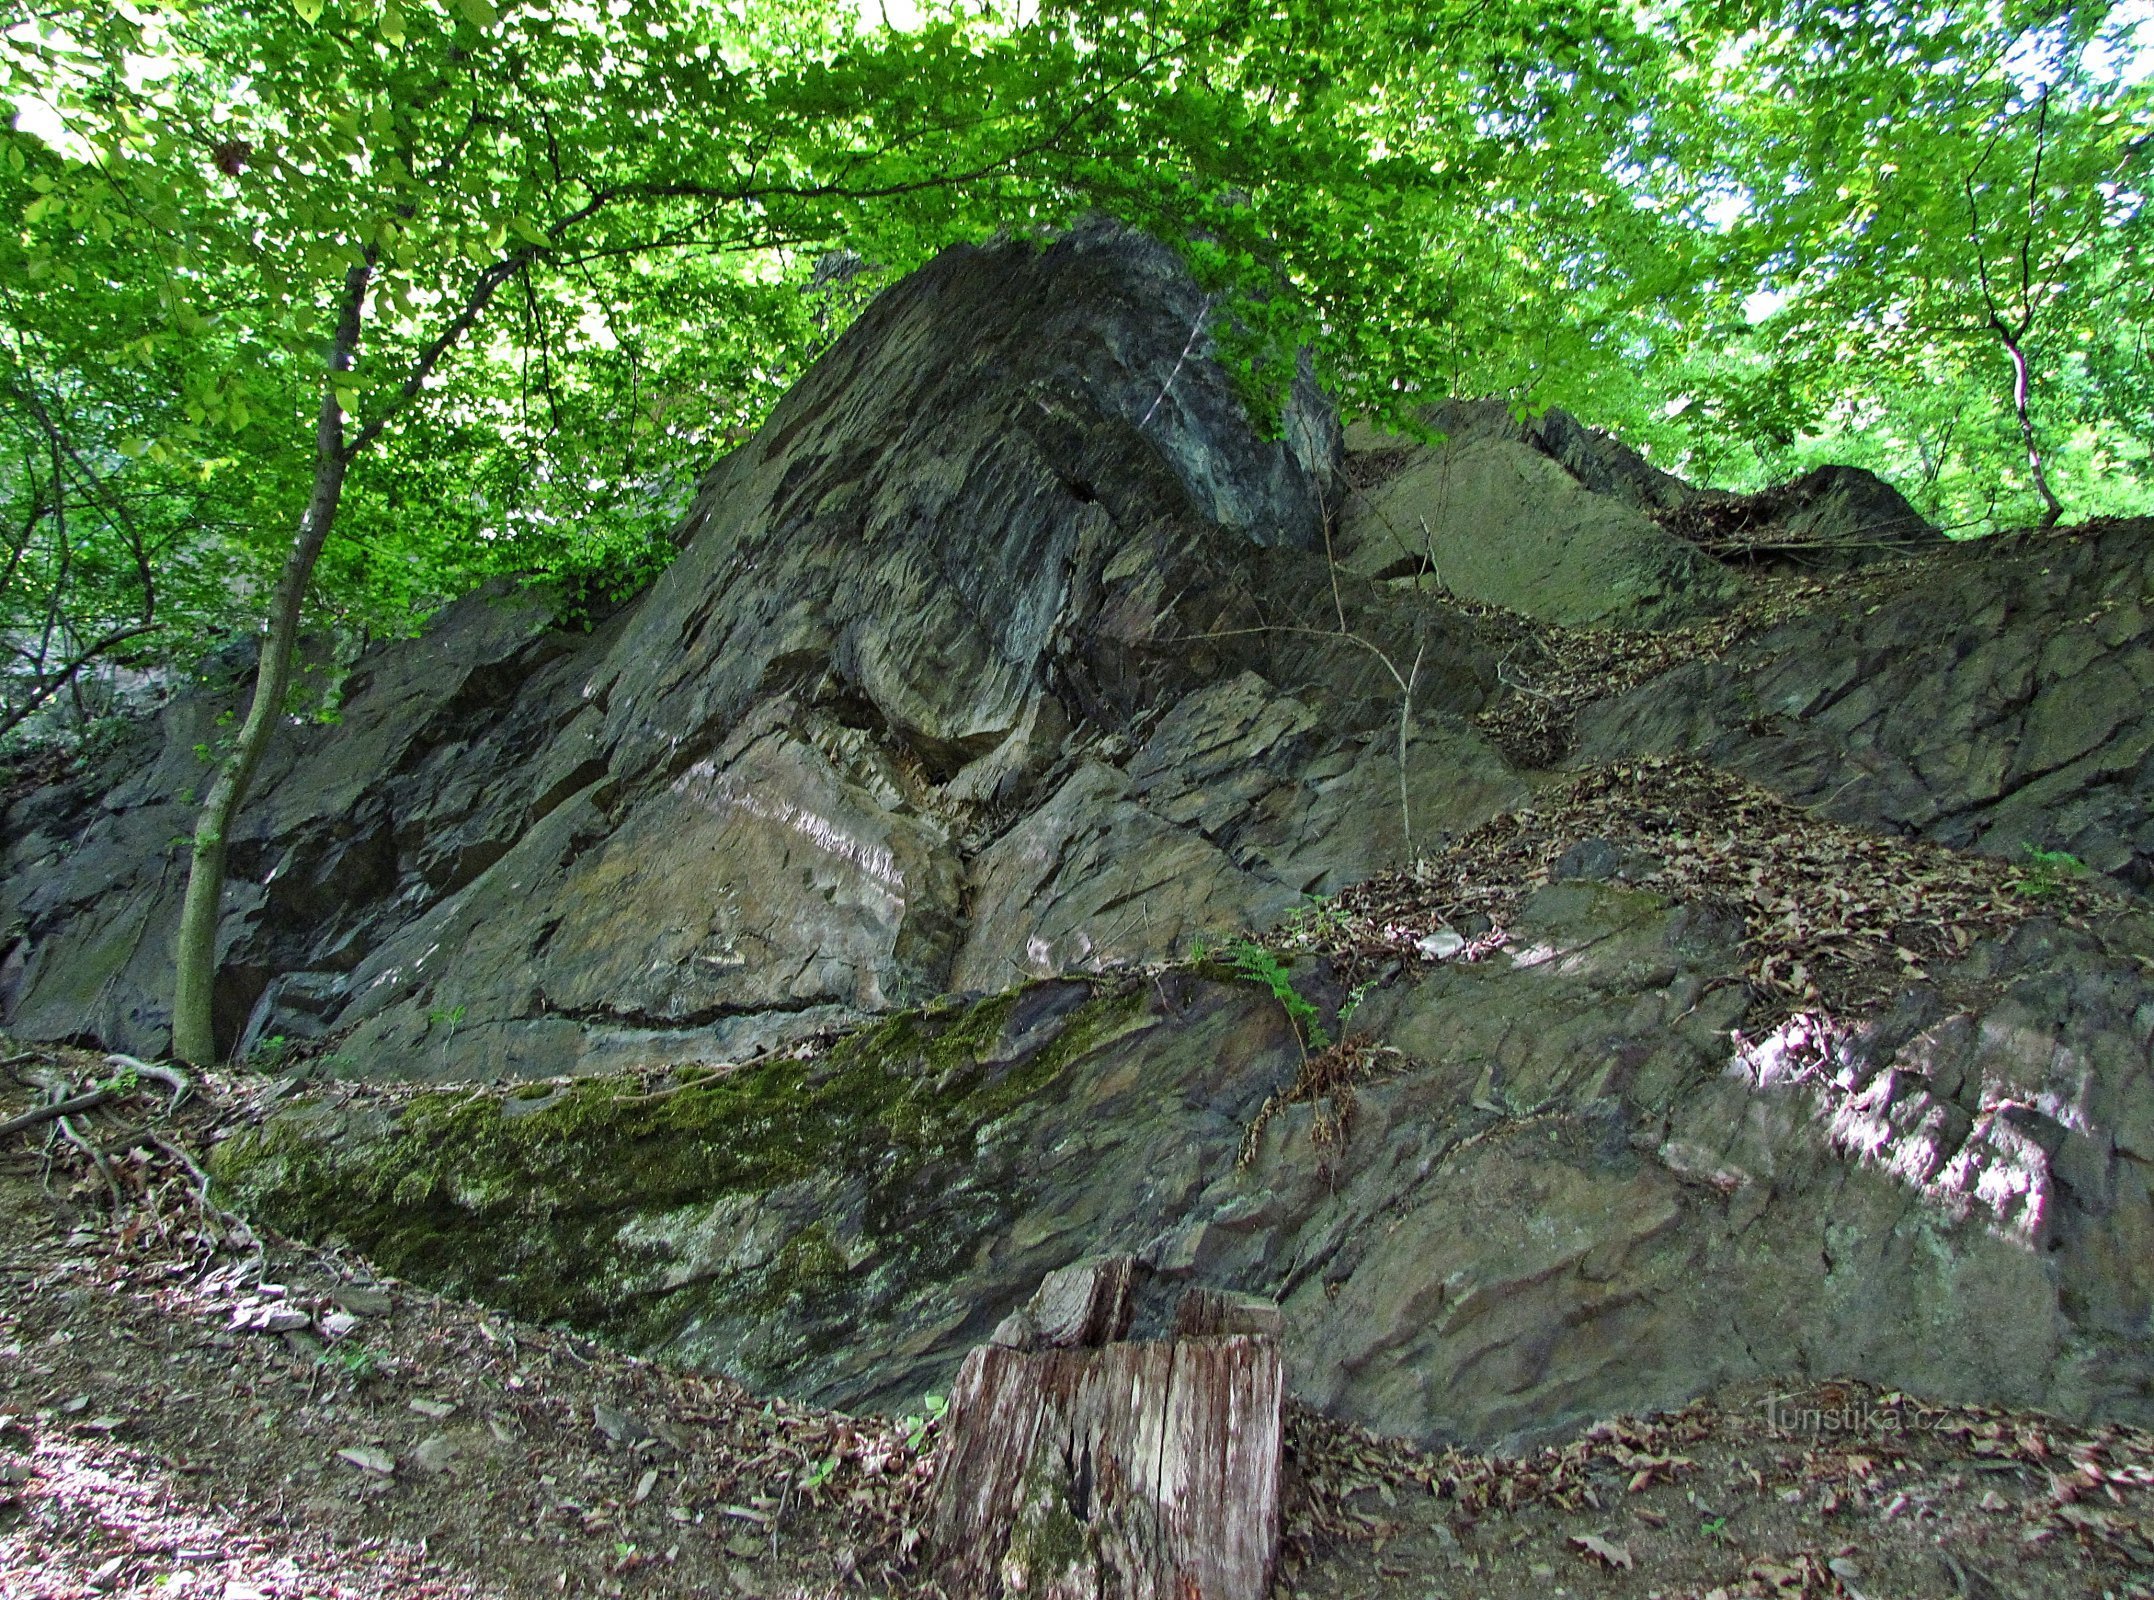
[(723, 793)]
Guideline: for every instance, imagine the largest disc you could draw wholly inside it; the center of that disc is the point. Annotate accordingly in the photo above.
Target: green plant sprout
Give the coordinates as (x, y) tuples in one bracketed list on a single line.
[(2045, 874), (352, 1359), (934, 1407), (1252, 963)]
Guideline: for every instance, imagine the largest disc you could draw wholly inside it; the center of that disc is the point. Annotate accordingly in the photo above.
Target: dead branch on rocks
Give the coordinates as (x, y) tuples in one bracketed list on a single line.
[(54, 1110)]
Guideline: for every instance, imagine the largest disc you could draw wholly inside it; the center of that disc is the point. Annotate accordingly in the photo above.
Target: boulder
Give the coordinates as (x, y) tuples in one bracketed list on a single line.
[(1538, 516)]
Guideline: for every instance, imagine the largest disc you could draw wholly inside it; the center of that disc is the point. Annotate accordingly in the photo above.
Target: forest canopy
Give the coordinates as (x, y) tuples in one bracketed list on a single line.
[(523, 270)]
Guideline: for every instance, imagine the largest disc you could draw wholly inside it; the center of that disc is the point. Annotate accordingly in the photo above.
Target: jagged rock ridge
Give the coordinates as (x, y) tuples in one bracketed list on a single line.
[(1006, 652), (978, 663)]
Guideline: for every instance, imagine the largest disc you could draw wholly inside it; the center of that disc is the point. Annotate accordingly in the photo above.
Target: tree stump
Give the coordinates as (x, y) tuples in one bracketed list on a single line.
[(1079, 1467)]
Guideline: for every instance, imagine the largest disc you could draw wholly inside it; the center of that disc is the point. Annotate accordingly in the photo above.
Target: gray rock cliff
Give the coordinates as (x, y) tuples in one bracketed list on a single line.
[(1005, 661)]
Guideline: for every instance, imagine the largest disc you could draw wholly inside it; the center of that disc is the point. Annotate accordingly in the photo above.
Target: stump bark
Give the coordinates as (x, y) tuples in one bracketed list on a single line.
[(1077, 1466)]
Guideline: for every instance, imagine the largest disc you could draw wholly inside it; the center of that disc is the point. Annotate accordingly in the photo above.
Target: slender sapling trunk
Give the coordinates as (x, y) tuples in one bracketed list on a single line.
[(193, 1022)]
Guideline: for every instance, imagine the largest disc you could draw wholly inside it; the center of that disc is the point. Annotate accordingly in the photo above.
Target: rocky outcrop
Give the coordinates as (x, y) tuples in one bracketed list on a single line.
[(1568, 525), (1994, 697), (1555, 1189), (1005, 647), (1540, 516), (1829, 519), (1006, 659)]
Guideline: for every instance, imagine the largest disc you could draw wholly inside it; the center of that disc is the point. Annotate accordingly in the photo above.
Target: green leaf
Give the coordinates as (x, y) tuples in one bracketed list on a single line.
[(310, 11), (481, 12), (391, 26)]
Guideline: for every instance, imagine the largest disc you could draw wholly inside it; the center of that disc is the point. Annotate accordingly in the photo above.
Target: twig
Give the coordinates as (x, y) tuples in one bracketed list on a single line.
[(58, 1108), (1196, 329), (1406, 718), (718, 1070), (97, 1160), (171, 1077), (233, 1225)]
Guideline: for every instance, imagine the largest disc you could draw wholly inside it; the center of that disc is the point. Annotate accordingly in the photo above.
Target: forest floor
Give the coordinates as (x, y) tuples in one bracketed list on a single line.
[(191, 1408)]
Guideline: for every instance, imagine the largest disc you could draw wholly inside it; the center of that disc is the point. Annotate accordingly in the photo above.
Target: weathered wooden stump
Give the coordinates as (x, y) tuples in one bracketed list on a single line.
[(1076, 1466)]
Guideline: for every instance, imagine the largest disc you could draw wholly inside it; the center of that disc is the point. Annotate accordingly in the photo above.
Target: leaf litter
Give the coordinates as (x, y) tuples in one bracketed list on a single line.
[(1835, 918), (1554, 672), (1761, 1492)]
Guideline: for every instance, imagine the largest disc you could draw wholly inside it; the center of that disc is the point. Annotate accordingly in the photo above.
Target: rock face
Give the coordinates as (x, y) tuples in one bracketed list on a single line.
[(1999, 703), (1002, 662), (1002, 649), (1564, 1194)]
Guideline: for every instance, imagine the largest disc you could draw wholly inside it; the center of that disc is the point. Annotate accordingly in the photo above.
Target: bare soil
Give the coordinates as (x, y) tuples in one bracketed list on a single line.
[(189, 1407)]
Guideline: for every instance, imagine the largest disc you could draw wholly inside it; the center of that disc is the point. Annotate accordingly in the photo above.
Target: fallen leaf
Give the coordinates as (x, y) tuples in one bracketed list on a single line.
[(368, 1459), (1593, 1544), (437, 1409), (644, 1486)]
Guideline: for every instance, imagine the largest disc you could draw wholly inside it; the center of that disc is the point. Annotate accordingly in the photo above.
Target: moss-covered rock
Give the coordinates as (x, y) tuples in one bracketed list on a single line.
[(1566, 1189), (751, 1217)]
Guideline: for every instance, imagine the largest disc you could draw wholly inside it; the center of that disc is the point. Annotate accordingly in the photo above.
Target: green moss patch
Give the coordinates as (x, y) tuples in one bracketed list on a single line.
[(876, 1142)]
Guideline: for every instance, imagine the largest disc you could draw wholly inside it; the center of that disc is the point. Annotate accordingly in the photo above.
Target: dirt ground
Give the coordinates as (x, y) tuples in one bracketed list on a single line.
[(189, 1408)]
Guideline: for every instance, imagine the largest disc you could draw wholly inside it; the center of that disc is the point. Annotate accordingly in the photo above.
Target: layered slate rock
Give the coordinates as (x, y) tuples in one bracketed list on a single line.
[(1829, 519), (1007, 646), (1996, 699), (1568, 525), (442, 760), (1563, 1190)]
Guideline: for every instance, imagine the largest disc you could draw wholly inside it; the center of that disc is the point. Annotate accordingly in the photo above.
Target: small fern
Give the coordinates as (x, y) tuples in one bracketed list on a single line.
[(1254, 964), (2045, 874)]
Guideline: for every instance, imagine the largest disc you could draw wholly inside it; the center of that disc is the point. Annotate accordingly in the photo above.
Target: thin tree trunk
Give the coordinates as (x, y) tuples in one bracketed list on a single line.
[(193, 1022), (193, 1028), (2052, 510)]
